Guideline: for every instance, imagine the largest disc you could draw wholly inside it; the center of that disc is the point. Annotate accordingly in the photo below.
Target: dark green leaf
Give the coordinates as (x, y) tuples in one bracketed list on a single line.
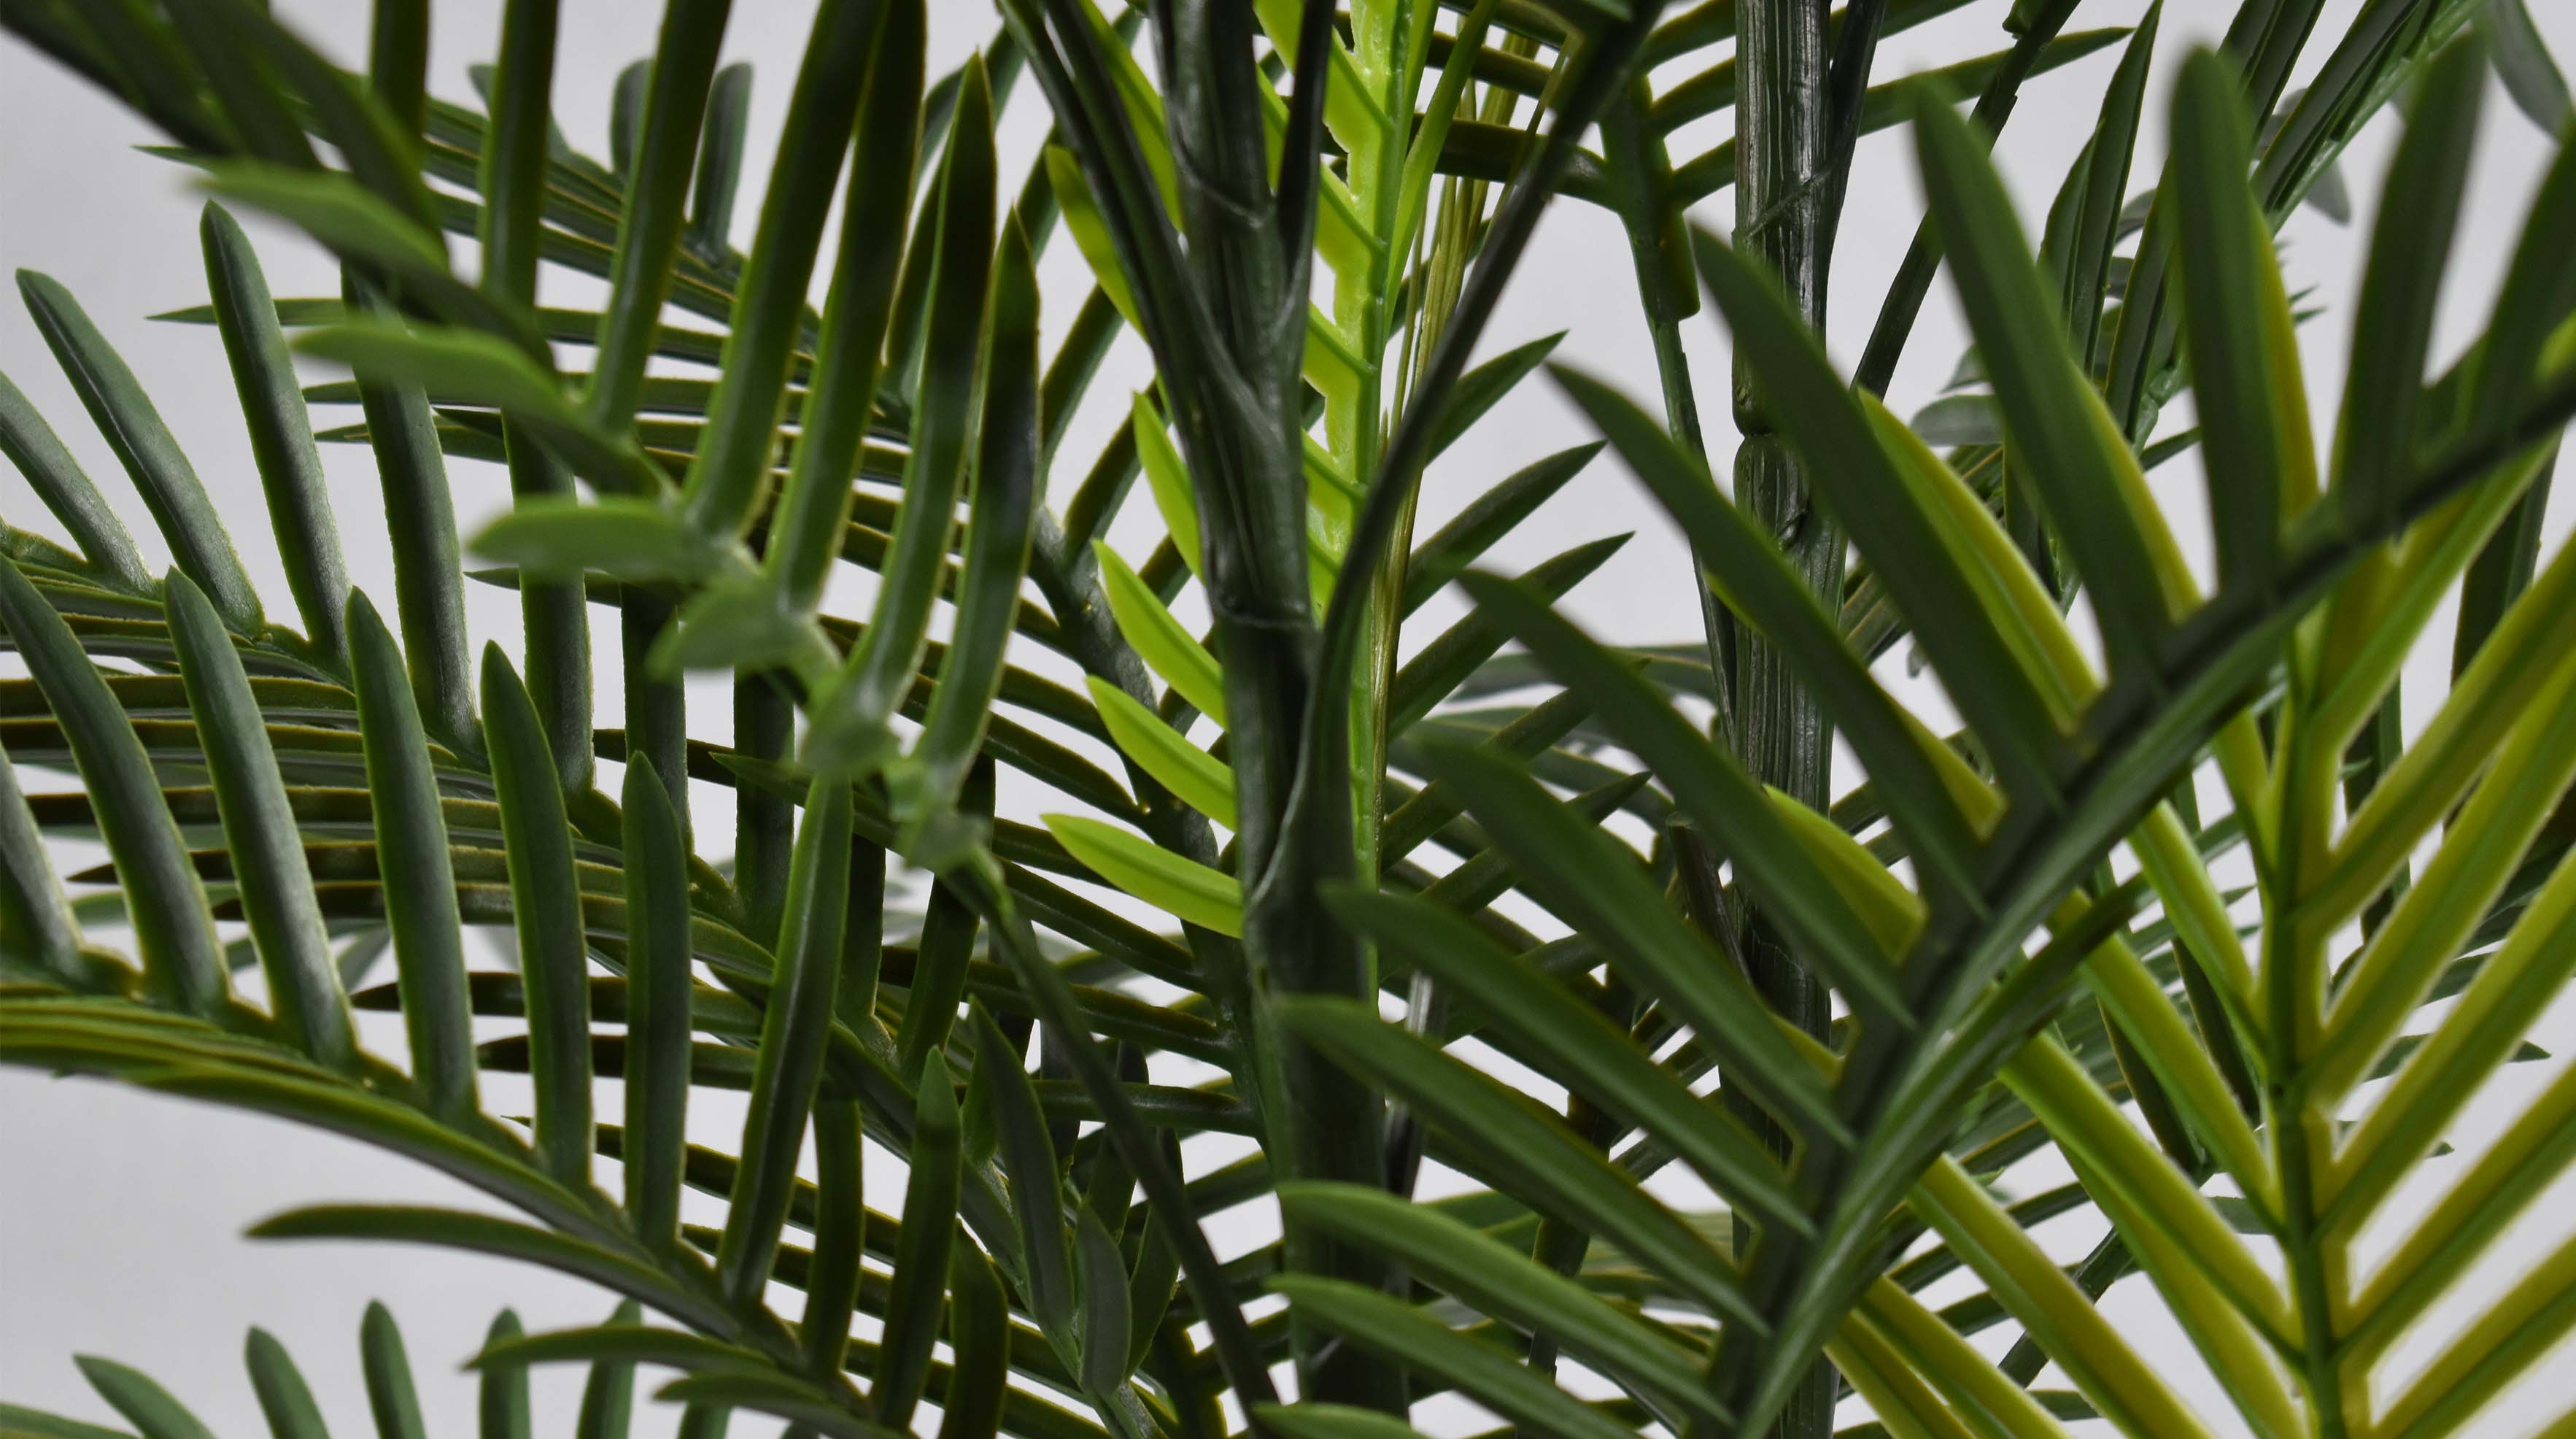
[(999, 527), (36, 921), (1597, 885), (502, 1401), (805, 529), (608, 1396), (487, 1234), (410, 829), (731, 467), (1492, 515), (546, 910), (14, 1418), (283, 1396), (850, 716), (150, 453), (1105, 1331), (2376, 436), (792, 1038), (1862, 484), (658, 1015), (2244, 359), (2060, 434), (390, 1395), (979, 1337), (1482, 1272), (921, 1264), (281, 433), (182, 962), (720, 159), (1482, 1372), (648, 226), (484, 370), (2522, 61), (808, 1407), (1484, 387), (621, 1341), (1527, 1148), (56, 477), (833, 1279), (1028, 1158), (259, 830), (1572, 1040), (145, 1405)]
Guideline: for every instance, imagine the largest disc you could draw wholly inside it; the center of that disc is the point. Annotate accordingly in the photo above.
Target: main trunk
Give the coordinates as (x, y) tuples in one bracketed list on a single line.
[(1781, 138)]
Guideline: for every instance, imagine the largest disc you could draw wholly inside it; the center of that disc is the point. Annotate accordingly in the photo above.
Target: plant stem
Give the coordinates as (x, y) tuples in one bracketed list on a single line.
[(1781, 137)]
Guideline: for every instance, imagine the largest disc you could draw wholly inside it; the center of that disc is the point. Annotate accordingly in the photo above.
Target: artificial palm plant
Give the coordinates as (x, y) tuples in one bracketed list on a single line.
[(1316, 881)]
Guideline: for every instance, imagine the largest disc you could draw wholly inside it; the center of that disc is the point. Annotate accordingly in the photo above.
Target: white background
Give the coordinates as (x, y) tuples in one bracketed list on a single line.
[(121, 1215)]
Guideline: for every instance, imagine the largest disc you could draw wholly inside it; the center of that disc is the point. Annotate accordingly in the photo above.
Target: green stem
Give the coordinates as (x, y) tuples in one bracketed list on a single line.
[(2293, 978), (1781, 734)]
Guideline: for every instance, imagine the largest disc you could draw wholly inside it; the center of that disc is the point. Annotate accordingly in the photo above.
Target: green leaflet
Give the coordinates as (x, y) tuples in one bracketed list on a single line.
[(1524, 1145), (1103, 1324), (482, 369), (182, 964), (1481, 1271), (502, 1398), (363, 229), (2375, 433), (798, 1021), (284, 1398), (560, 538), (544, 902), (486, 1234), (1158, 638), (720, 159), (38, 453), (1082, 219), (390, 1395), (259, 831), (608, 1395), (658, 1017), (1492, 515), (1000, 525), (648, 229), (36, 918), (2251, 399), (834, 1279), (1199, 779), (806, 1405), (2055, 422), (1483, 1373), (1028, 1158), (1577, 1042), (1168, 476), (281, 433), (731, 468), (145, 1405), (978, 1333), (849, 731), (1186, 890), (838, 406), (144, 445), (921, 1264), (624, 1341), (410, 830)]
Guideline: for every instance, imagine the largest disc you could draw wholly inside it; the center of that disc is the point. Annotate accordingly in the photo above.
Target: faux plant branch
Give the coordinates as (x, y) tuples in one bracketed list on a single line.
[(1285, 874)]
